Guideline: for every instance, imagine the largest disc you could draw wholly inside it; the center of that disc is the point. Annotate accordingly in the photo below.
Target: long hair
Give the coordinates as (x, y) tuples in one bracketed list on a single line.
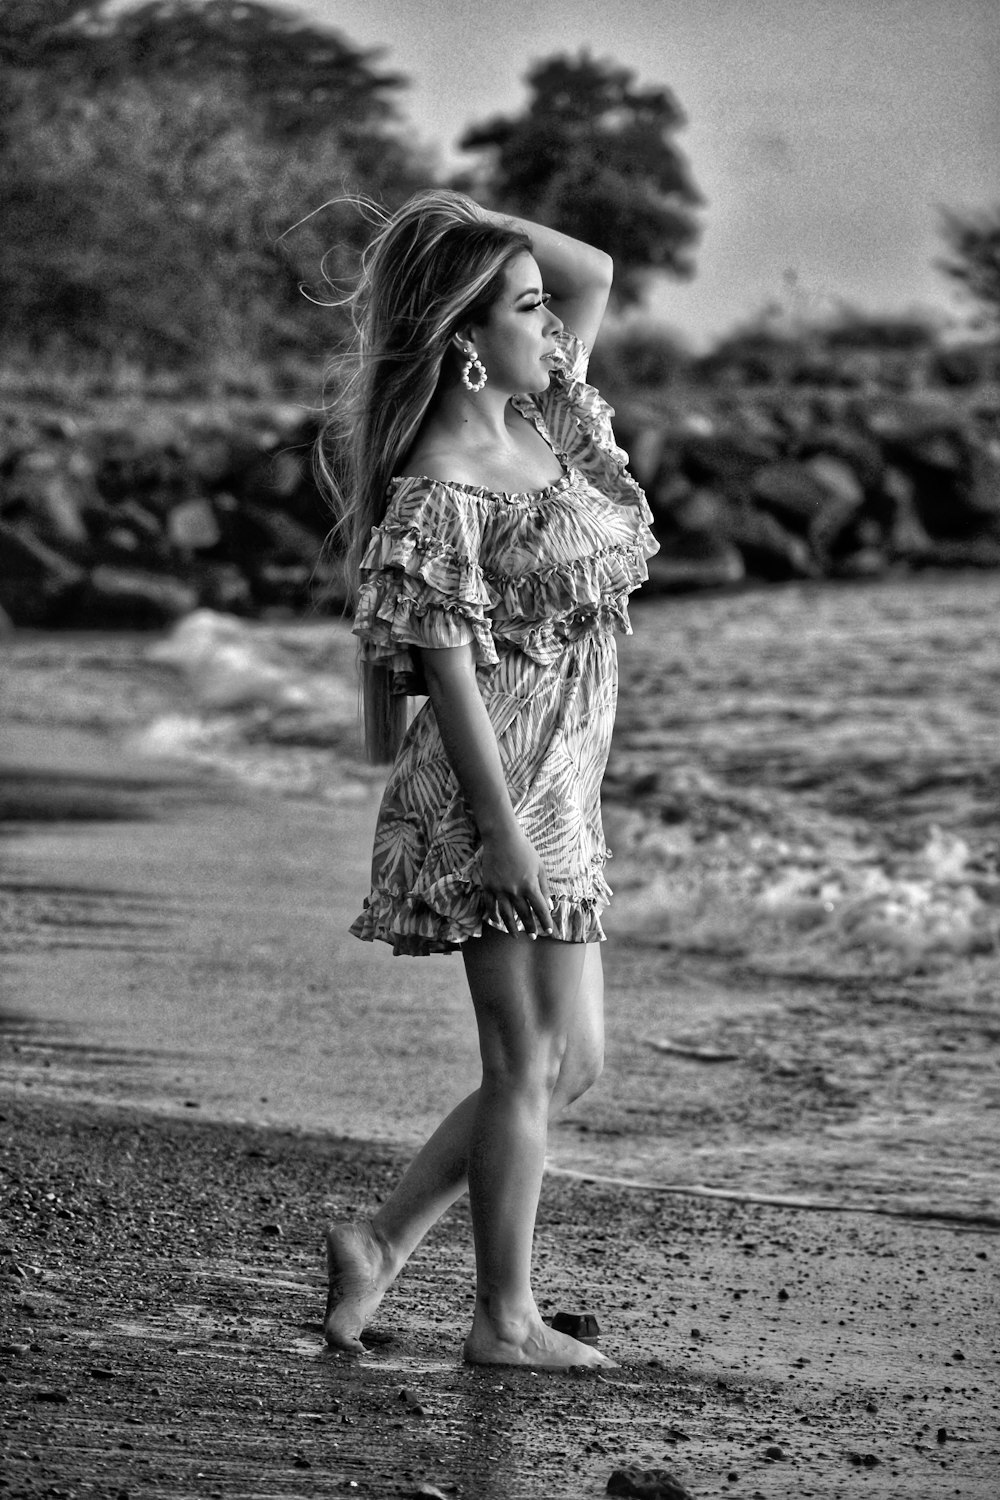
[(433, 266)]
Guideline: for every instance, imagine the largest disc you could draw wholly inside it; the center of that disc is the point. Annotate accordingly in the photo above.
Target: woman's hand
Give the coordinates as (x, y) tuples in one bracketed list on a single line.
[(513, 874), (515, 877)]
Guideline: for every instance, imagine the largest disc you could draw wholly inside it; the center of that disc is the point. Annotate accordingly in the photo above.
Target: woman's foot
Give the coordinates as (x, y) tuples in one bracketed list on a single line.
[(528, 1342), (360, 1273)]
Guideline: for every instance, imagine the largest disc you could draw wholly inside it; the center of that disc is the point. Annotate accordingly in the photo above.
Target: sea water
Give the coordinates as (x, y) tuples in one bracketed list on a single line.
[(804, 965)]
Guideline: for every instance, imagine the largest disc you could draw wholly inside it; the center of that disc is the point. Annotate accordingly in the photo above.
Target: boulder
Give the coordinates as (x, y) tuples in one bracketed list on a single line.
[(845, 497), (790, 491), (847, 439), (983, 496), (964, 552), (907, 537), (284, 584), (285, 540), (222, 586), (211, 455), (769, 552), (192, 526), (253, 536), (667, 493), (38, 586), (700, 510), (151, 468), (727, 459), (132, 597), (865, 562), (142, 521), (695, 560), (41, 488), (120, 541), (838, 478)]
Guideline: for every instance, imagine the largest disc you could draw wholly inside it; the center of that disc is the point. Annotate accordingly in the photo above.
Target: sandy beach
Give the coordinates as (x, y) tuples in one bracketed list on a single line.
[(792, 1314)]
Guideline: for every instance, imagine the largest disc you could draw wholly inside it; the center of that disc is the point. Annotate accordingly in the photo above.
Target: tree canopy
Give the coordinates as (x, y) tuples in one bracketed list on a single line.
[(161, 164), (153, 157), (974, 259), (593, 154)]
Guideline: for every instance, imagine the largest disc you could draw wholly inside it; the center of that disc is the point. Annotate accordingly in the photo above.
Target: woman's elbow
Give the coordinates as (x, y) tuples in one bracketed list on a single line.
[(446, 666)]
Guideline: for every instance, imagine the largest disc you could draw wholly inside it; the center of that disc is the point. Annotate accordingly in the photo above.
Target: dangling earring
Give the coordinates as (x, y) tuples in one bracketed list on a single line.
[(474, 363)]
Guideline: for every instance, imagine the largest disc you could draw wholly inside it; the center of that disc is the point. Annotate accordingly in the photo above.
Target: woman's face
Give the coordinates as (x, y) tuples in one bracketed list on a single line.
[(517, 341)]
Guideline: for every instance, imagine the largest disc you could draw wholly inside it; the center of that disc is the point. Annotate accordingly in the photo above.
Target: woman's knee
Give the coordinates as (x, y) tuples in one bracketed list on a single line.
[(581, 1067), (530, 1068)]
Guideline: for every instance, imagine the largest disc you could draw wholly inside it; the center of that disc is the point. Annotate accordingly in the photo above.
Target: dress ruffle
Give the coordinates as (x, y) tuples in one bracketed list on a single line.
[(576, 419), (422, 586), (445, 916)]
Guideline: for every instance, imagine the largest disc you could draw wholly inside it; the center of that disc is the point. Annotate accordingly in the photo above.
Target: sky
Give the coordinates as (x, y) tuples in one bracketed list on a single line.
[(825, 135)]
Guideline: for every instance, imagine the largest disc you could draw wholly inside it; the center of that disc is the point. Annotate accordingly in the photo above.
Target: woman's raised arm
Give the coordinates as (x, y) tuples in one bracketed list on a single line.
[(576, 275)]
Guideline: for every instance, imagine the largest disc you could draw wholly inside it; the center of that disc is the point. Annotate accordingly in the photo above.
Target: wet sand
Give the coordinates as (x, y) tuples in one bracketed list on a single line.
[(163, 1290), (162, 1228)]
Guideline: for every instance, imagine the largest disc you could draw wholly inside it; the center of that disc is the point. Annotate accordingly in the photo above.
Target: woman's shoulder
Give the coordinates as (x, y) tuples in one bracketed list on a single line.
[(444, 514), (437, 464), (426, 491)]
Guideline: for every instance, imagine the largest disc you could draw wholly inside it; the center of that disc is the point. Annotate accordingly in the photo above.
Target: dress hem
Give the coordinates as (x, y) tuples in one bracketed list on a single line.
[(415, 929)]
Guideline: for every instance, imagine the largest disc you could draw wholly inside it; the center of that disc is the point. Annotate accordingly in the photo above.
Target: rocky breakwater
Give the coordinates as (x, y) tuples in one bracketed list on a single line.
[(124, 516), (132, 518), (772, 485)]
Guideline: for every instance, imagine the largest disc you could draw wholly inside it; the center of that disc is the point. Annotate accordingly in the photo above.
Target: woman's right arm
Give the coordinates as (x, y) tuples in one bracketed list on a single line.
[(513, 874), (578, 276)]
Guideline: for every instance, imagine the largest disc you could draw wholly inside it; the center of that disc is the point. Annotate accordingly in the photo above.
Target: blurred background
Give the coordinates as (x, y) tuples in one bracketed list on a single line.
[(802, 201)]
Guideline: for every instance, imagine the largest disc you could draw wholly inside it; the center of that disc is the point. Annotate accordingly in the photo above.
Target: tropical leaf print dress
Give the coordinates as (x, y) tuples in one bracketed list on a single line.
[(536, 583)]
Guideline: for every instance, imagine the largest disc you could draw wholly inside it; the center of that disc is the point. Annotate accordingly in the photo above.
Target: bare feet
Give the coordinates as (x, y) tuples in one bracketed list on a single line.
[(528, 1342), (360, 1273)]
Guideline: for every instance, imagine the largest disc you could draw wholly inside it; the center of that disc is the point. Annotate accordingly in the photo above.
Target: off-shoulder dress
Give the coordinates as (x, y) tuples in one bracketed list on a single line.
[(536, 583)]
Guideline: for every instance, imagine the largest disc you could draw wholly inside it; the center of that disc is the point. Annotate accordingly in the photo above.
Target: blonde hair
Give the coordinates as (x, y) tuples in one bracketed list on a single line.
[(434, 265)]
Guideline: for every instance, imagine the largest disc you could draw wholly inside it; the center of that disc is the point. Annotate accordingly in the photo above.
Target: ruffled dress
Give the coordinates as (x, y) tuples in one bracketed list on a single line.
[(536, 583)]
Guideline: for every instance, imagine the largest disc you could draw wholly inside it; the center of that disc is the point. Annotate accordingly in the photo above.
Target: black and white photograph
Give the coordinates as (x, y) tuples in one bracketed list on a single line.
[(499, 749)]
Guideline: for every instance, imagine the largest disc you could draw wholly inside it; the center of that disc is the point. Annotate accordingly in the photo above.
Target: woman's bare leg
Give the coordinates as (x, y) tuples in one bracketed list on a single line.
[(365, 1257), (528, 999)]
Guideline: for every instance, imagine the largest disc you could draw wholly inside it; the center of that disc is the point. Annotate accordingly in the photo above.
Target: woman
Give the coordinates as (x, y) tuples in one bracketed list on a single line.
[(495, 538)]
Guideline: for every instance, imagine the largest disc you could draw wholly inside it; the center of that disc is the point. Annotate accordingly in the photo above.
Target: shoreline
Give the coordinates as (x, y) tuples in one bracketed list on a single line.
[(163, 1334)]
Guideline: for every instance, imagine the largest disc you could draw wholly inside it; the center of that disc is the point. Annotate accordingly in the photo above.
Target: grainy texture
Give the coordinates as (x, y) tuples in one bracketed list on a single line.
[(797, 943), (162, 1287)]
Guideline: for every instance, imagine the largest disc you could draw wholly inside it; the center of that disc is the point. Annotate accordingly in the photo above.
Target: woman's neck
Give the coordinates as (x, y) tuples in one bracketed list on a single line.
[(473, 417)]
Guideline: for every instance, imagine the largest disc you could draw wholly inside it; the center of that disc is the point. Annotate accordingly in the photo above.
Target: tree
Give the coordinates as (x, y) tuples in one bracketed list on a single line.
[(152, 159), (974, 261), (593, 155), (297, 78)]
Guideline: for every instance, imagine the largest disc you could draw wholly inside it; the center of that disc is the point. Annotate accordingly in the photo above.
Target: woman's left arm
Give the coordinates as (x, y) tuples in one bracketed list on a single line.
[(576, 275)]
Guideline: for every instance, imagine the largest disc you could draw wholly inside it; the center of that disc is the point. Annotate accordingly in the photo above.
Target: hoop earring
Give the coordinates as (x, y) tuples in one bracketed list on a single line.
[(474, 363)]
